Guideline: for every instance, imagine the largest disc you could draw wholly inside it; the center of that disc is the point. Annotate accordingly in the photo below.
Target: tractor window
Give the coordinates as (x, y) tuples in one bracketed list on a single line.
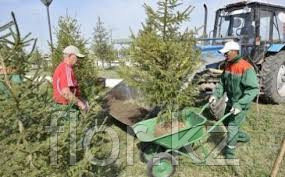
[(281, 19), (265, 25), (277, 28), (237, 23), (231, 25), (223, 27)]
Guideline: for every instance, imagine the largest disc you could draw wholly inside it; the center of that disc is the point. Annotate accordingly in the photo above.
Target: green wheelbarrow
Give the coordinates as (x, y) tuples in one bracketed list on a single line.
[(159, 150)]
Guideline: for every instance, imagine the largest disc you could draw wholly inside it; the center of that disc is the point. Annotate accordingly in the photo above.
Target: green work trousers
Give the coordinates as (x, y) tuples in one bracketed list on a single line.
[(233, 124)]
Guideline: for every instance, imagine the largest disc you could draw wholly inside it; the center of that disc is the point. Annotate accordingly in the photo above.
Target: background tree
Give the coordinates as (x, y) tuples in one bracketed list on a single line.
[(162, 57), (101, 45), (36, 56), (68, 33), (112, 54), (123, 53)]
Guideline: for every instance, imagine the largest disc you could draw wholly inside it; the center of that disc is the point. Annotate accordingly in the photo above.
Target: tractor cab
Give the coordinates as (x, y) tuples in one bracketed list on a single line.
[(259, 28)]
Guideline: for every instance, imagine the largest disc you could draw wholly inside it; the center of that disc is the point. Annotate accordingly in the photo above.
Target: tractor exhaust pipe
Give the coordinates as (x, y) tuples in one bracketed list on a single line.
[(205, 21)]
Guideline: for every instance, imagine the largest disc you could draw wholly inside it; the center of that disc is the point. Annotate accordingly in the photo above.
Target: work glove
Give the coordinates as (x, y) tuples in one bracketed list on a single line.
[(235, 111), (212, 100)]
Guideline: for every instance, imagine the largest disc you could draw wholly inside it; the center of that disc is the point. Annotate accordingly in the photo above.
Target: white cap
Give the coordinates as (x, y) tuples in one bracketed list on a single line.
[(230, 46), (73, 50)]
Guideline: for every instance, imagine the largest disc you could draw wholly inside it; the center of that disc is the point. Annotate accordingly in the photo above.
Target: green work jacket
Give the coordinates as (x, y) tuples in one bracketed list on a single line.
[(240, 83)]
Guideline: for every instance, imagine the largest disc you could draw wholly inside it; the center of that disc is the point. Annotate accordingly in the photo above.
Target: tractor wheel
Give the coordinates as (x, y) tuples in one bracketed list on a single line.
[(273, 78), (161, 165)]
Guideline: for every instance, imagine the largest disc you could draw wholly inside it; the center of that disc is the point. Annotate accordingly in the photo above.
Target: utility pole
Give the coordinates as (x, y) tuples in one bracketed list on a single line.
[(47, 4)]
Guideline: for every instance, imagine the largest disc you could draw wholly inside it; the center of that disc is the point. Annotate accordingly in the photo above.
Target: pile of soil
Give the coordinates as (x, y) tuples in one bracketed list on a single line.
[(166, 128), (127, 112)]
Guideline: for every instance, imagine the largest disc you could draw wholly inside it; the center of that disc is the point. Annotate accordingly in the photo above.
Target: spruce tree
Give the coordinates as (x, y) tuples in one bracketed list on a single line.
[(24, 104), (101, 45), (162, 58)]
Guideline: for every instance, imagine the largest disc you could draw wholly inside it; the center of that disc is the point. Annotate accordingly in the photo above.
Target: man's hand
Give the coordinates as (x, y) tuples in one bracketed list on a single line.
[(67, 94), (235, 111), (81, 105), (212, 100)]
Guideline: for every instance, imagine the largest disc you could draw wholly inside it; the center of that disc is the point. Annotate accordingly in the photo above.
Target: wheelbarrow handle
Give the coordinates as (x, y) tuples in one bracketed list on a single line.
[(218, 122), (203, 108)]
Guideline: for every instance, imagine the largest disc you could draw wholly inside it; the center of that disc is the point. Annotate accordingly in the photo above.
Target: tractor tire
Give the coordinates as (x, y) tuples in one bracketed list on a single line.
[(273, 78)]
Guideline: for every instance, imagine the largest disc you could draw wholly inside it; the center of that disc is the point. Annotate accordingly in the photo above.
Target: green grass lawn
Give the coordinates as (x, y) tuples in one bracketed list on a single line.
[(266, 128)]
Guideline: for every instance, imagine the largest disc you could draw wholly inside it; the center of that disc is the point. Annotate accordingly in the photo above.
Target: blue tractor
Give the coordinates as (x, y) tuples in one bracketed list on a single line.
[(260, 30)]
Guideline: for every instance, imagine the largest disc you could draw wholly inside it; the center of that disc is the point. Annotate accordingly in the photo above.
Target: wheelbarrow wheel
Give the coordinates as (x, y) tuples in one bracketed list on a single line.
[(161, 165), (148, 151)]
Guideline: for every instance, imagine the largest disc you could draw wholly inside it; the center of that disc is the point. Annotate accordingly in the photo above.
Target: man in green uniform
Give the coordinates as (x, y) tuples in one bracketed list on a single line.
[(239, 82)]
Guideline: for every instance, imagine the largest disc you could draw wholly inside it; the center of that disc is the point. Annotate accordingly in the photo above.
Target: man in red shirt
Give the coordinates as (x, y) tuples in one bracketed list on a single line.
[(65, 86)]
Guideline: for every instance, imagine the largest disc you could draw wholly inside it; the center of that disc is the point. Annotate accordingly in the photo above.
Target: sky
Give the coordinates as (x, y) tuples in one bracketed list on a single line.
[(119, 16)]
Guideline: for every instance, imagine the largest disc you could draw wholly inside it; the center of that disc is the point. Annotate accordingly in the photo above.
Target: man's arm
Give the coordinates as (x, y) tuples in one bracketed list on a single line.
[(250, 87), (67, 94)]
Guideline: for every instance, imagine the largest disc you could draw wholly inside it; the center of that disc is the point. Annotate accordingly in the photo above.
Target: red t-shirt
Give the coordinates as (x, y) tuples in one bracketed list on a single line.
[(64, 77)]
